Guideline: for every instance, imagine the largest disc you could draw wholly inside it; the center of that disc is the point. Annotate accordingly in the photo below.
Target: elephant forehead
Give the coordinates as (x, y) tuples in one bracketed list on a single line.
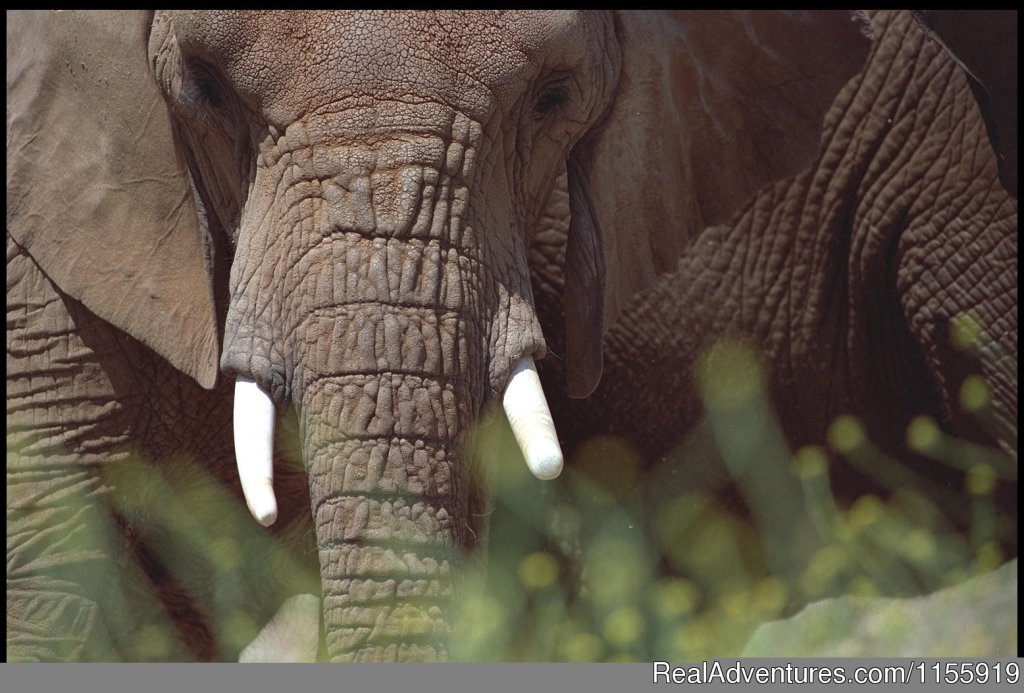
[(301, 60)]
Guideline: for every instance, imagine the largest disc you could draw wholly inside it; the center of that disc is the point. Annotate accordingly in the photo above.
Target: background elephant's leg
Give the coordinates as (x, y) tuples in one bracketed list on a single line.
[(936, 232), (957, 284), (80, 584)]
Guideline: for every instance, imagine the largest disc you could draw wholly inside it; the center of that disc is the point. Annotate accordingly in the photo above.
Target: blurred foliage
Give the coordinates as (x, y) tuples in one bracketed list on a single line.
[(977, 618), (175, 554), (617, 560)]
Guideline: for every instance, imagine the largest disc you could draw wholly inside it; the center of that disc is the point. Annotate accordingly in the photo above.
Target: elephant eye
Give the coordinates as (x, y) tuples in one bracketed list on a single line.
[(206, 86), (552, 96)]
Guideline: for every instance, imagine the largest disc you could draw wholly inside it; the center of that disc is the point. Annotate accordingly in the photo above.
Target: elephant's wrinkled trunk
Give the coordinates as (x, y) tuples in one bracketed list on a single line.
[(389, 503), (383, 420), (386, 392), (387, 311)]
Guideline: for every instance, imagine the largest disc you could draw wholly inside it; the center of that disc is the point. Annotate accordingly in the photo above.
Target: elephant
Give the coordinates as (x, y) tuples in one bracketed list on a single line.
[(226, 224), (855, 281), (984, 44)]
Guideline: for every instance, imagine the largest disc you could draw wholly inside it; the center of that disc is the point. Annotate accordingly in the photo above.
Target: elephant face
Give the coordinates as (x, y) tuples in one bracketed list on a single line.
[(342, 205), (378, 221), (406, 175)]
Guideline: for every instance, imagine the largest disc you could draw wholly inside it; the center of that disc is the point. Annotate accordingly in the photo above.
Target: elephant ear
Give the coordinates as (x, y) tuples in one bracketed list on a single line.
[(97, 192), (984, 44), (583, 296), (710, 107)]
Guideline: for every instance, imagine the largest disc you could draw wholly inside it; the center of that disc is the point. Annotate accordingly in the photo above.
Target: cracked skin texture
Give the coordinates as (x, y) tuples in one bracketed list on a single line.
[(846, 278), (339, 206)]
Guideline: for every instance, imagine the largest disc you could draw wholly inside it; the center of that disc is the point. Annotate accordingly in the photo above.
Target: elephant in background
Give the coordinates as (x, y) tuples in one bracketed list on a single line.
[(218, 222), (849, 279), (984, 43)]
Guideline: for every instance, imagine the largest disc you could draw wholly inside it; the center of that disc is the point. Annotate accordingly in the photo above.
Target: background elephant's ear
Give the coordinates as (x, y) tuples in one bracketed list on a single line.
[(97, 193), (710, 107), (984, 43)]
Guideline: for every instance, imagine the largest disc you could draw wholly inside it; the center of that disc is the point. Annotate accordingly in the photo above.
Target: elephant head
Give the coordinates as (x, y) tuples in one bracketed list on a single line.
[(334, 209)]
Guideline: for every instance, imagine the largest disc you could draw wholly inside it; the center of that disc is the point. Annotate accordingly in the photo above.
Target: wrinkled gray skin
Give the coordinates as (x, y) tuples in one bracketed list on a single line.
[(984, 44), (846, 279), (344, 208)]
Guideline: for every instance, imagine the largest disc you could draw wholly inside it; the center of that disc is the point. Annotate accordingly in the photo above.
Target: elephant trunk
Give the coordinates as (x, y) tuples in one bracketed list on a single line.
[(386, 391), (390, 505), (386, 394), (388, 316)]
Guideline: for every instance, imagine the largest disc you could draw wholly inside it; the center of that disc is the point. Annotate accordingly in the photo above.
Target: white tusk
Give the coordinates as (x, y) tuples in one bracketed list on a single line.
[(254, 449), (530, 418)]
